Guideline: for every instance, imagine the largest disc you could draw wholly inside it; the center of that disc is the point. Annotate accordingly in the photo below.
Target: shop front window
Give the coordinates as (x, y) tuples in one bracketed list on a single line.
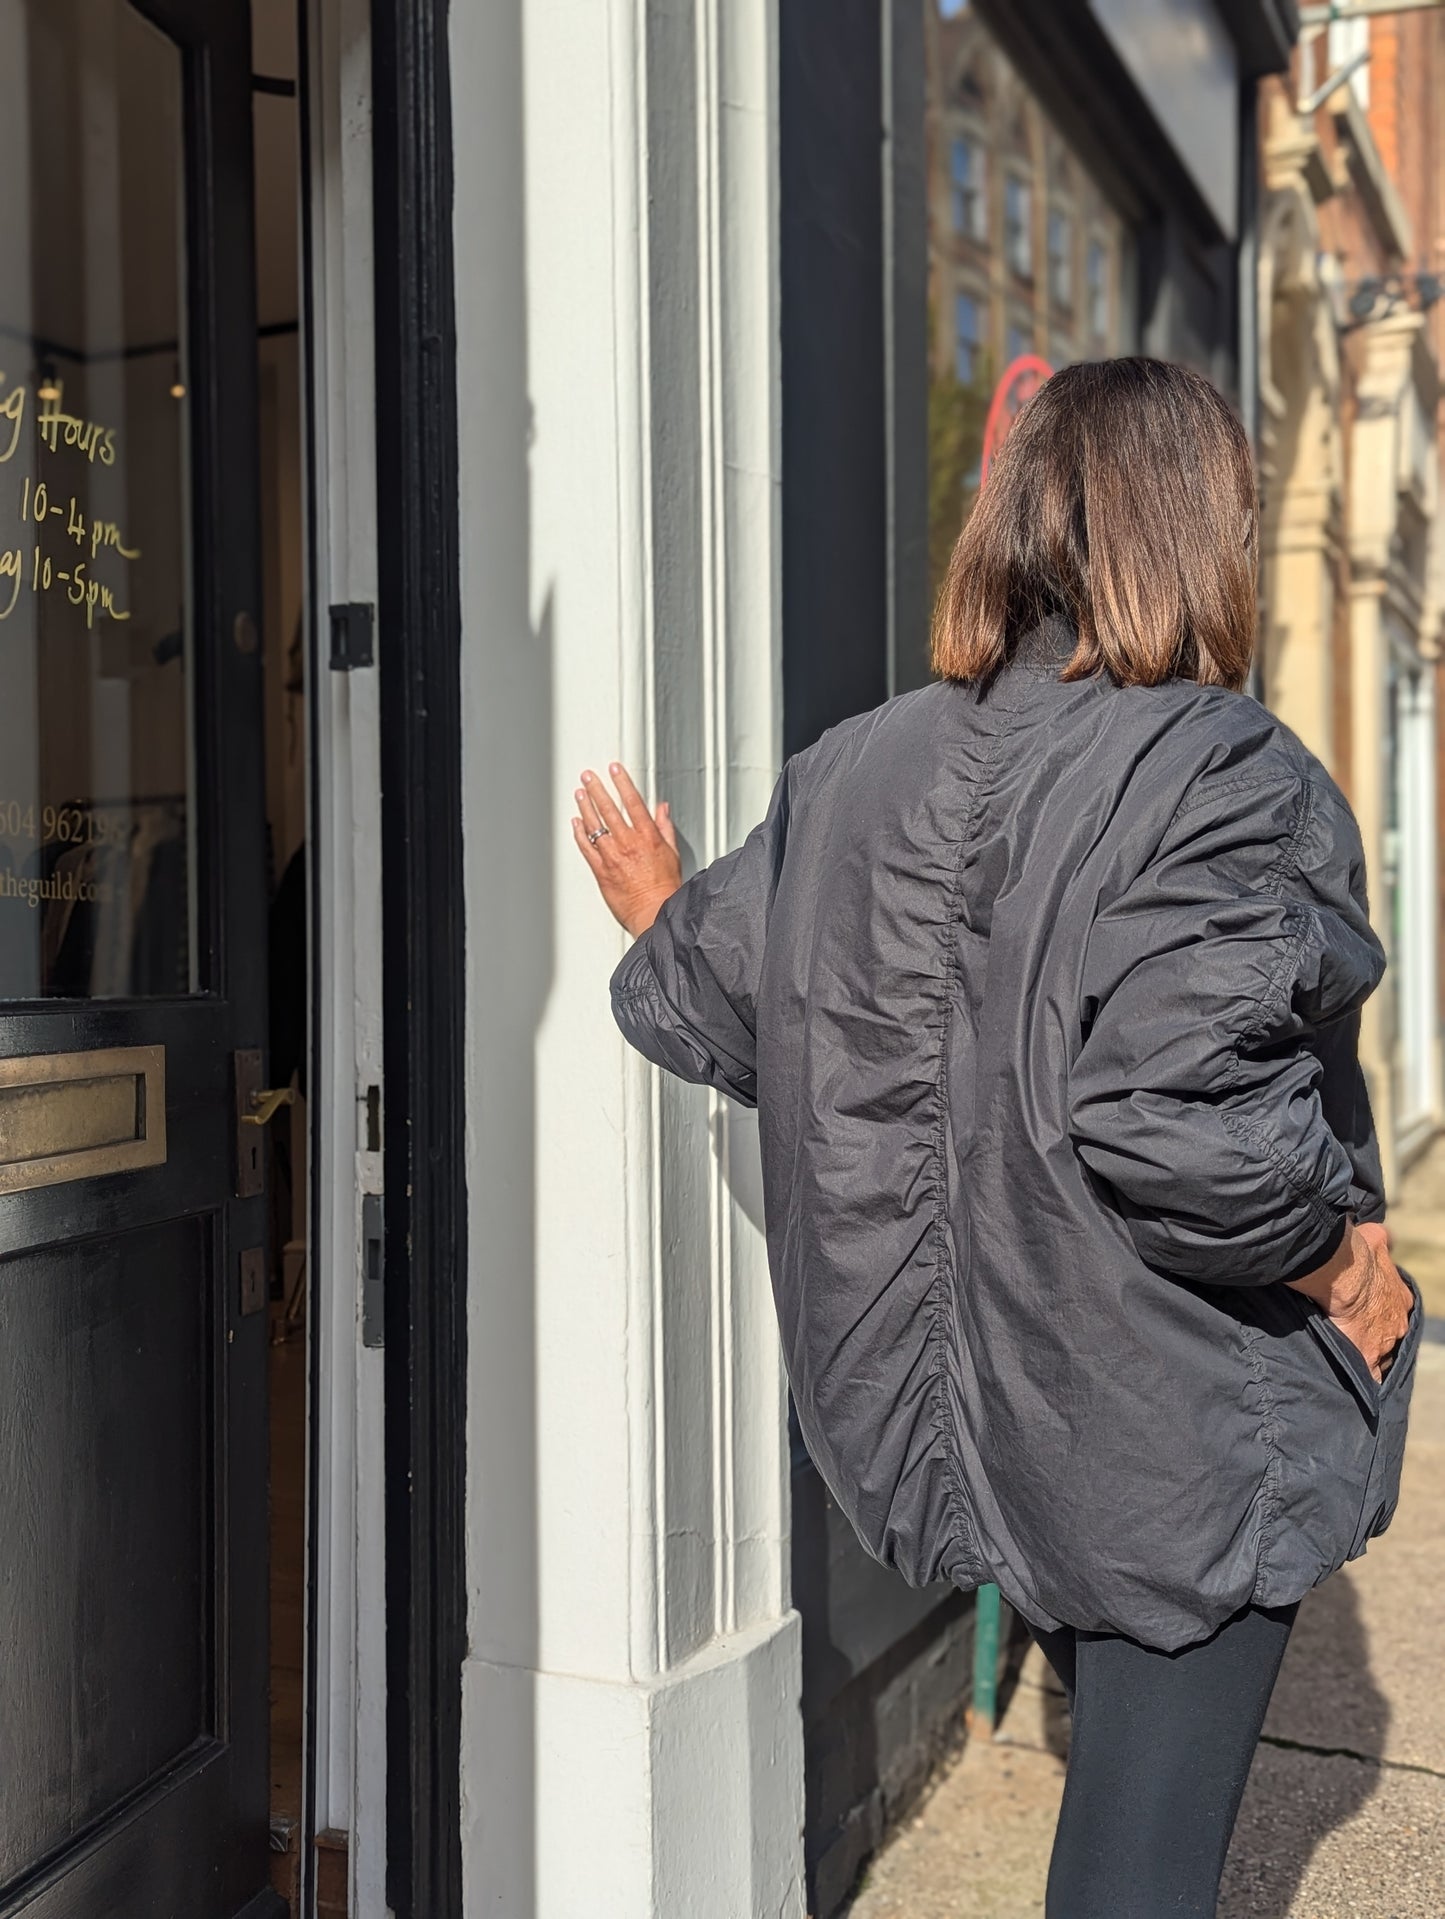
[(981, 122), (1408, 879)]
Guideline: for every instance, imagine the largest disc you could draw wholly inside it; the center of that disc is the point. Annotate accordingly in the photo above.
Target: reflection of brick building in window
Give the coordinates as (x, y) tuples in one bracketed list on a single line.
[(1025, 255), (1007, 199)]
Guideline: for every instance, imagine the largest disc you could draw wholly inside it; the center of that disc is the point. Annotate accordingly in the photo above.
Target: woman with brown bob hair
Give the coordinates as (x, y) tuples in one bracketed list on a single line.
[(1045, 980), (1124, 503)]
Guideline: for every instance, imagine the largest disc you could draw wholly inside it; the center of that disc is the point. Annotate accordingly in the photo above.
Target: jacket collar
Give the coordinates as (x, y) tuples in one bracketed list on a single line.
[(1045, 648)]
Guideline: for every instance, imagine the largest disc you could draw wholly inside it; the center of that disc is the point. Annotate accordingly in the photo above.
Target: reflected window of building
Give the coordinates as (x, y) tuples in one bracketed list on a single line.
[(1024, 248), (970, 199), (1061, 249), (965, 338), (1098, 277), (1017, 237)]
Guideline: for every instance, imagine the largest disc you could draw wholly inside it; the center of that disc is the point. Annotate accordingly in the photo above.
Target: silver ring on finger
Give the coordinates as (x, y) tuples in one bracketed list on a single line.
[(600, 832)]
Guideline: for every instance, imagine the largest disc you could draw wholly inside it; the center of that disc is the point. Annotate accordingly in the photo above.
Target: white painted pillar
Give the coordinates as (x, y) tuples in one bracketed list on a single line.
[(631, 1736), (1379, 471)]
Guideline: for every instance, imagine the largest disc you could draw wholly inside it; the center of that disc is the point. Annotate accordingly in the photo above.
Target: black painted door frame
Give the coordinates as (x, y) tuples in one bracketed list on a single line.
[(191, 1836), (419, 654)]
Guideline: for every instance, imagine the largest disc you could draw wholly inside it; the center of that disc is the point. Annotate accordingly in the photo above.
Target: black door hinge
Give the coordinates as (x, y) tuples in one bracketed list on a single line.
[(352, 630)]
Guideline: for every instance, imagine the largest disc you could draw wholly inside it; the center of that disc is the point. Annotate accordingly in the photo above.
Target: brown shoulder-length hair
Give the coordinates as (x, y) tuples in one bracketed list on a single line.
[(1124, 500)]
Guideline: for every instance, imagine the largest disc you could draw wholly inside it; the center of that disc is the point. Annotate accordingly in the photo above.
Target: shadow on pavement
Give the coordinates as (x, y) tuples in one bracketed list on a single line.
[(1043, 1719), (1274, 1843), (1317, 1765)]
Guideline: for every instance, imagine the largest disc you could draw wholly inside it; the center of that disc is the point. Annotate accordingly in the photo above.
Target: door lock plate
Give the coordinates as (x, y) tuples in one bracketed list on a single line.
[(373, 1272), (352, 627), (253, 1280)]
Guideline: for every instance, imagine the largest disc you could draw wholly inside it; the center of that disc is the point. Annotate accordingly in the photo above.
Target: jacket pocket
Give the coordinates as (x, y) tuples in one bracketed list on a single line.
[(1383, 1492), (1386, 1404), (1349, 1362)]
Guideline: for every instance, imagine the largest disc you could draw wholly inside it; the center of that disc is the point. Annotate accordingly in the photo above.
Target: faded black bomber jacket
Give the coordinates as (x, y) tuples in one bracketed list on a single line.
[(1047, 995)]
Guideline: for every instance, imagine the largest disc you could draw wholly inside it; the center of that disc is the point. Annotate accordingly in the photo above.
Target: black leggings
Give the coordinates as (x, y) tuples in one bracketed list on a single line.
[(1161, 1748)]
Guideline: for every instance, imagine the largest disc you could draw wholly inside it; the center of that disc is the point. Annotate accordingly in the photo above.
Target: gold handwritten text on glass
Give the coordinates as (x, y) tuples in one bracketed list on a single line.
[(97, 815)]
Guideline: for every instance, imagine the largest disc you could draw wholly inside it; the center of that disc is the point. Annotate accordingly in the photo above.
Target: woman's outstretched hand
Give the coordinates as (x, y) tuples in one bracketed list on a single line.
[(631, 850), (1361, 1289)]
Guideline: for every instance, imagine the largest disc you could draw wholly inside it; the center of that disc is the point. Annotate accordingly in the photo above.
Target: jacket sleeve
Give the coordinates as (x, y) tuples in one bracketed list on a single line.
[(1346, 1101), (1217, 1091), (685, 994)]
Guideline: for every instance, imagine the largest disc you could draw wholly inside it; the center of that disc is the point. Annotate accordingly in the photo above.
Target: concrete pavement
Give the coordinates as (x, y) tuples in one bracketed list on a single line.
[(1344, 1816)]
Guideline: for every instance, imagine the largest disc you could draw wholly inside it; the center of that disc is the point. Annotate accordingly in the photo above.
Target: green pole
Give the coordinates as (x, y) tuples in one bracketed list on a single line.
[(984, 1711)]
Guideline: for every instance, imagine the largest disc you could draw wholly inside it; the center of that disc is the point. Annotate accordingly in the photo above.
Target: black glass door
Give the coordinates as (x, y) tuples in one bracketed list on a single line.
[(133, 1577)]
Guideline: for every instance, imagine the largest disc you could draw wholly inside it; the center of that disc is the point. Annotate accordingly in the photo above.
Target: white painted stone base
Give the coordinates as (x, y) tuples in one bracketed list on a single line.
[(680, 1796)]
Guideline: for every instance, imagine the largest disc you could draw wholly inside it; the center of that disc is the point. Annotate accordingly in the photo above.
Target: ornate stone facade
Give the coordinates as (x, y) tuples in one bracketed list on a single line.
[(1350, 351)]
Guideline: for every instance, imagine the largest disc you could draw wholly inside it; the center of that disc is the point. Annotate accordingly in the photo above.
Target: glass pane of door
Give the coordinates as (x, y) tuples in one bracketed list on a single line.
[(97, 885)]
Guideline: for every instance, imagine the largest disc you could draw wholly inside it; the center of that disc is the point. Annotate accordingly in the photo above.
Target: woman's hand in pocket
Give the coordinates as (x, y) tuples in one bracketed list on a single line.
[(1360, 1288)]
